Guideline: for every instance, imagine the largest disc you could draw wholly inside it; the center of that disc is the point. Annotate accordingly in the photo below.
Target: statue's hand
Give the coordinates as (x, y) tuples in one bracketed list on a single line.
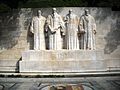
[(79, 34), (53, 31), (94, 31), (63, 34), (82, 31)]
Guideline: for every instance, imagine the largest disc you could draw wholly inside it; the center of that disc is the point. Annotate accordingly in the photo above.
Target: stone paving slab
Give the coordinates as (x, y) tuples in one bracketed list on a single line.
[(85, 83)]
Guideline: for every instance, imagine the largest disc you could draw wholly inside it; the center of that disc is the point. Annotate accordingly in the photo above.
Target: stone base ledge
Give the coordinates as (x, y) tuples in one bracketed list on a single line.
[(82, 74), (42, 55), (62, 66), (62, 61)]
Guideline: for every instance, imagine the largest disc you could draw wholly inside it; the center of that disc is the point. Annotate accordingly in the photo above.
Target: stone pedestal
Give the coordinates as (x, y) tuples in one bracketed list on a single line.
[(62, 61)]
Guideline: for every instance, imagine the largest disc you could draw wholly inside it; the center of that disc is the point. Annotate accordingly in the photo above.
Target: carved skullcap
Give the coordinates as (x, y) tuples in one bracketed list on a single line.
[(86, 10), (39, 11), (70, 10), (54, 9)]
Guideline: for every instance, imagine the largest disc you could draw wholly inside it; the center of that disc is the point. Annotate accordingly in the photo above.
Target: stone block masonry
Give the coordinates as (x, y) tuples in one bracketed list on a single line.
[(62, 61), (15, 39)]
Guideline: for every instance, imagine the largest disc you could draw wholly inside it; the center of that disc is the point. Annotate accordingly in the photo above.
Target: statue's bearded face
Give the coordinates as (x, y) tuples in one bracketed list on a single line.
[(86, 12), (70, 11), (53, 10), (39, 13)]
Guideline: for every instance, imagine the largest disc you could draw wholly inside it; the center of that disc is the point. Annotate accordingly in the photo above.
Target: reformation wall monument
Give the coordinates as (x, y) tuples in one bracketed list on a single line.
[(60, 40)]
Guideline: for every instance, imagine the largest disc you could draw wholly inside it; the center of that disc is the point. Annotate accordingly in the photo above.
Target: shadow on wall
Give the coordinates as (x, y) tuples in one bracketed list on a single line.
[(9, 29), (17, 65), (30, 38), (113, 37), (102, 14)]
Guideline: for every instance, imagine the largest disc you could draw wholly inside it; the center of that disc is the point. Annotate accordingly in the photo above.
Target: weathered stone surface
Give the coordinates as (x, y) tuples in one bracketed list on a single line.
[(113, 64), (62, 66), (87, 83), (8, 69), (62, 55), (62, 61), (15, 37), (8, 65)]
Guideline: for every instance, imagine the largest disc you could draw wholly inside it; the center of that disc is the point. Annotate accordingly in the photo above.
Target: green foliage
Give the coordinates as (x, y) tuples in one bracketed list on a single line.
[(68, 3), (4, 8), (10, 4)]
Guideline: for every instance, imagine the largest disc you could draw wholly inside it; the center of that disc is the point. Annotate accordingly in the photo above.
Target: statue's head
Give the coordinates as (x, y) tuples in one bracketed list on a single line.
[(39, 13), (53, 10), (70, 11), (86, 11)]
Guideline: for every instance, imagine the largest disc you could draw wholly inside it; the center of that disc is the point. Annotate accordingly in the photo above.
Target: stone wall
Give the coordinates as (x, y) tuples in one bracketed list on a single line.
[(12, 34), (16, 38)]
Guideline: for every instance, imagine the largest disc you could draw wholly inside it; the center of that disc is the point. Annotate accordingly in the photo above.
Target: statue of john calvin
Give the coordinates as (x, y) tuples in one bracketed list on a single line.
[(55, 27)]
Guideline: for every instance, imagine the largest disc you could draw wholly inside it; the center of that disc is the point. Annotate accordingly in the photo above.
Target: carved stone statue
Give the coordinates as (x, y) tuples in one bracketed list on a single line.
[(88, 31), (55, 27), (37, 28), (71, 38)]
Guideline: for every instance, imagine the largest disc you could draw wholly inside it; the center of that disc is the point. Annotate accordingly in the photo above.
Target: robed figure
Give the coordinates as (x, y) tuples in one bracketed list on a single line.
[(88, 31), (37, 28), (55, 31), (71, 35)]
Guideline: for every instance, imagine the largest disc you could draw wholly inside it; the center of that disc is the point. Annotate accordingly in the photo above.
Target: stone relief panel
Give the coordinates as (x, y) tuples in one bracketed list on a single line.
[(15, 35), (76, 33)]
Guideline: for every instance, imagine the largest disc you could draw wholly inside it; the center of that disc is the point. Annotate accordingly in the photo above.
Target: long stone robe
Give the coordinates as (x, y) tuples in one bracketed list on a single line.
[(88, 25), (55, 24), (71, 36), (37, 27)]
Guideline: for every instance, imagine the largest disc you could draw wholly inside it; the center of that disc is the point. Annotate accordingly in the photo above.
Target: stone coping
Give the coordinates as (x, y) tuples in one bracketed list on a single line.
[(53, 75)]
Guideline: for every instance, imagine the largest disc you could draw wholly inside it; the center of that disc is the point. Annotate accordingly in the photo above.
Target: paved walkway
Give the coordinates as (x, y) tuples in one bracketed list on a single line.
[(78, 83)]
